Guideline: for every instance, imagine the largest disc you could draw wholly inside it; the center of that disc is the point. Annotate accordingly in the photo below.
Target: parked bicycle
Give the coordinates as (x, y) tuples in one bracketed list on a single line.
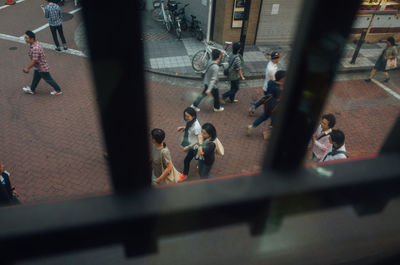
[(194, 27), (161, 13), (203, 56), (177, 17)]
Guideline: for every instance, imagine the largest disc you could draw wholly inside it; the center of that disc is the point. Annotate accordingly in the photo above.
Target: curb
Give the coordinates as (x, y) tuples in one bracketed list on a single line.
[(250, 76)]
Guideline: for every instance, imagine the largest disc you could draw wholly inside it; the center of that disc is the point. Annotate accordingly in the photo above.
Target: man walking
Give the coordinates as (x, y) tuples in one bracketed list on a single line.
[(211, 82), (235, 73), (271, 101), (39, 63), (270, 71), (337, 149), (53, 13), (320, 141)]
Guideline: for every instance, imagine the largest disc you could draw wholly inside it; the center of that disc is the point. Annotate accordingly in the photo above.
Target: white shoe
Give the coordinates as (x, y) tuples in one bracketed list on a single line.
[(28, 90), (195, 108), (55, 93), (220, 109)]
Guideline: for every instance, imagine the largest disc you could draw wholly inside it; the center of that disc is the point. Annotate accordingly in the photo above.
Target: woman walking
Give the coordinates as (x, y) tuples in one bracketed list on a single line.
[(207, 153), (389, 53), (191, 137), (163, 169)]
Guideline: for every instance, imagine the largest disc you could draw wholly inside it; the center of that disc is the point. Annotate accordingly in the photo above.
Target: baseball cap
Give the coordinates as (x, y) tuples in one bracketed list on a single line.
[(274, 55)]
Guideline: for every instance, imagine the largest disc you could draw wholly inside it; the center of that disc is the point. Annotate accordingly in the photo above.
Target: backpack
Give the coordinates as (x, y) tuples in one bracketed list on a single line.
[(227, 70)]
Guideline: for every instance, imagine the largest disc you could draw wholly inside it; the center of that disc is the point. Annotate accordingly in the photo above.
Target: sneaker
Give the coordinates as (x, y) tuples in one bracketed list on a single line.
[(235, 101), (252, 110), (182, 177), (65, 47), (195, 108), (368, 80), (58, 49), (386, 80), (220, 109), (249, 129), (28, 90), (265, 135), (55, 93)]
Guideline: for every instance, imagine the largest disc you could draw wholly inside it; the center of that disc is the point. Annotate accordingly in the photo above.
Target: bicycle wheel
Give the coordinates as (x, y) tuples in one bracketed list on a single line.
[(157, 15), (178, 31), (199, 35), (184, 25), (200, 60), (168, 26)]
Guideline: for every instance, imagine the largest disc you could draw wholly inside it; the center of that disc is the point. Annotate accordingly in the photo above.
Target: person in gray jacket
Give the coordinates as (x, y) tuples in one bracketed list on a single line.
[(210, 82)]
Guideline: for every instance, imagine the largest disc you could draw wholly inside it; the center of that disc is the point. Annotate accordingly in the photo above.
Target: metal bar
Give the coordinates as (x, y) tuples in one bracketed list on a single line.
[(319, 45), (119, 80), (48, 229)]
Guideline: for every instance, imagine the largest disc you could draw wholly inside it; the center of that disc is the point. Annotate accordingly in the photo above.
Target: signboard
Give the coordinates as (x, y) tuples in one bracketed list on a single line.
[(275, 9), (238, 13)]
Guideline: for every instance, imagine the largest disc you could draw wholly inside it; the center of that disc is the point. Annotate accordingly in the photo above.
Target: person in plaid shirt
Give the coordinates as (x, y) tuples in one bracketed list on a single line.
[(39, 63), (53, 13)]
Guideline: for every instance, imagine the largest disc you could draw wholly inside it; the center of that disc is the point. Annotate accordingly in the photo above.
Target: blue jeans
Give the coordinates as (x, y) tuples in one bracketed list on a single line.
[(47, 77), (232, 92), (260, 119), (54, 30), (204, 170)]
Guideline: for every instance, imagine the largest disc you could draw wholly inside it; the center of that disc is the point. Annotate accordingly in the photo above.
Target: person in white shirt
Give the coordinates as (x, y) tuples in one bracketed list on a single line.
[(320, 142), (191, 137), (270, 71), (337, 149)]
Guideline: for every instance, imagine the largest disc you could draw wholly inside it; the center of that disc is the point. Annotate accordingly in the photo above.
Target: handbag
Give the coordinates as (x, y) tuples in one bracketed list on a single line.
[(391, 63), (219, 148), (172, 177)]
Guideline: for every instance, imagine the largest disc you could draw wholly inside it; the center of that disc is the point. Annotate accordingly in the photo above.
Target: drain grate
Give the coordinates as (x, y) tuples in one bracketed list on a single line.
[(67, 16), (13, 48)]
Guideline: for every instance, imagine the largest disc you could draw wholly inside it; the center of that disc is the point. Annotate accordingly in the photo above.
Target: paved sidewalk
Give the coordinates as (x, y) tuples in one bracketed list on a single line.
[(164, 53)]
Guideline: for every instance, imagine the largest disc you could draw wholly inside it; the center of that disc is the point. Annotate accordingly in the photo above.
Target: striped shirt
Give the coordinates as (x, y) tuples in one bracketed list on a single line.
[(53, 13), (36, 54), (236, 62)]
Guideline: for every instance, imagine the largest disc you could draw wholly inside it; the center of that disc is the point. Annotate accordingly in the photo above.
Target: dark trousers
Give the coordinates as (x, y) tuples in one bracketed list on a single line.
[(54, 30), (47, 77), (186, 162), (204, 169), (232, 92), (260, 102), (215, 94)]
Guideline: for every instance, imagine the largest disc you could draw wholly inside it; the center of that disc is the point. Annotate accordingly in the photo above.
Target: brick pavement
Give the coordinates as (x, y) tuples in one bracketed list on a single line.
[(364, 112), (53, 146)]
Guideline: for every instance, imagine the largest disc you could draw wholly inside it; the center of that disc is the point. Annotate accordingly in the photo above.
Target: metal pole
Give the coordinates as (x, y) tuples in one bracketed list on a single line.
[(210, 5), (359, 43), (245, 25)]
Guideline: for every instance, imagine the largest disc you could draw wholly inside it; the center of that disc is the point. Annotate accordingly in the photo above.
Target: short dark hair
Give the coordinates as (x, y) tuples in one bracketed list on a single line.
[(330, 118), (191, 112), (210, 129), (158, 135), (279, 75), (236, 47), (391, 40), (337, 136), (30, 34), (215, 54)]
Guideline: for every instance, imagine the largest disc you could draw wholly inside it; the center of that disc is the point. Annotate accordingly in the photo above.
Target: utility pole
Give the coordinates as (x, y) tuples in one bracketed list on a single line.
[(364, 33), (245, 25), (210, 6)]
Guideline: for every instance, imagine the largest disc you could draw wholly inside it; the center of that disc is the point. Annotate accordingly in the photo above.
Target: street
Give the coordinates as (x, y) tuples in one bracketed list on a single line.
[(53, 146)]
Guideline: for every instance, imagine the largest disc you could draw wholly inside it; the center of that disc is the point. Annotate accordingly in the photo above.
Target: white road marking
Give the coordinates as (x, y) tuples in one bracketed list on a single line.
[(391, 92), (19, 1), (44, 45), (46, 25)]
